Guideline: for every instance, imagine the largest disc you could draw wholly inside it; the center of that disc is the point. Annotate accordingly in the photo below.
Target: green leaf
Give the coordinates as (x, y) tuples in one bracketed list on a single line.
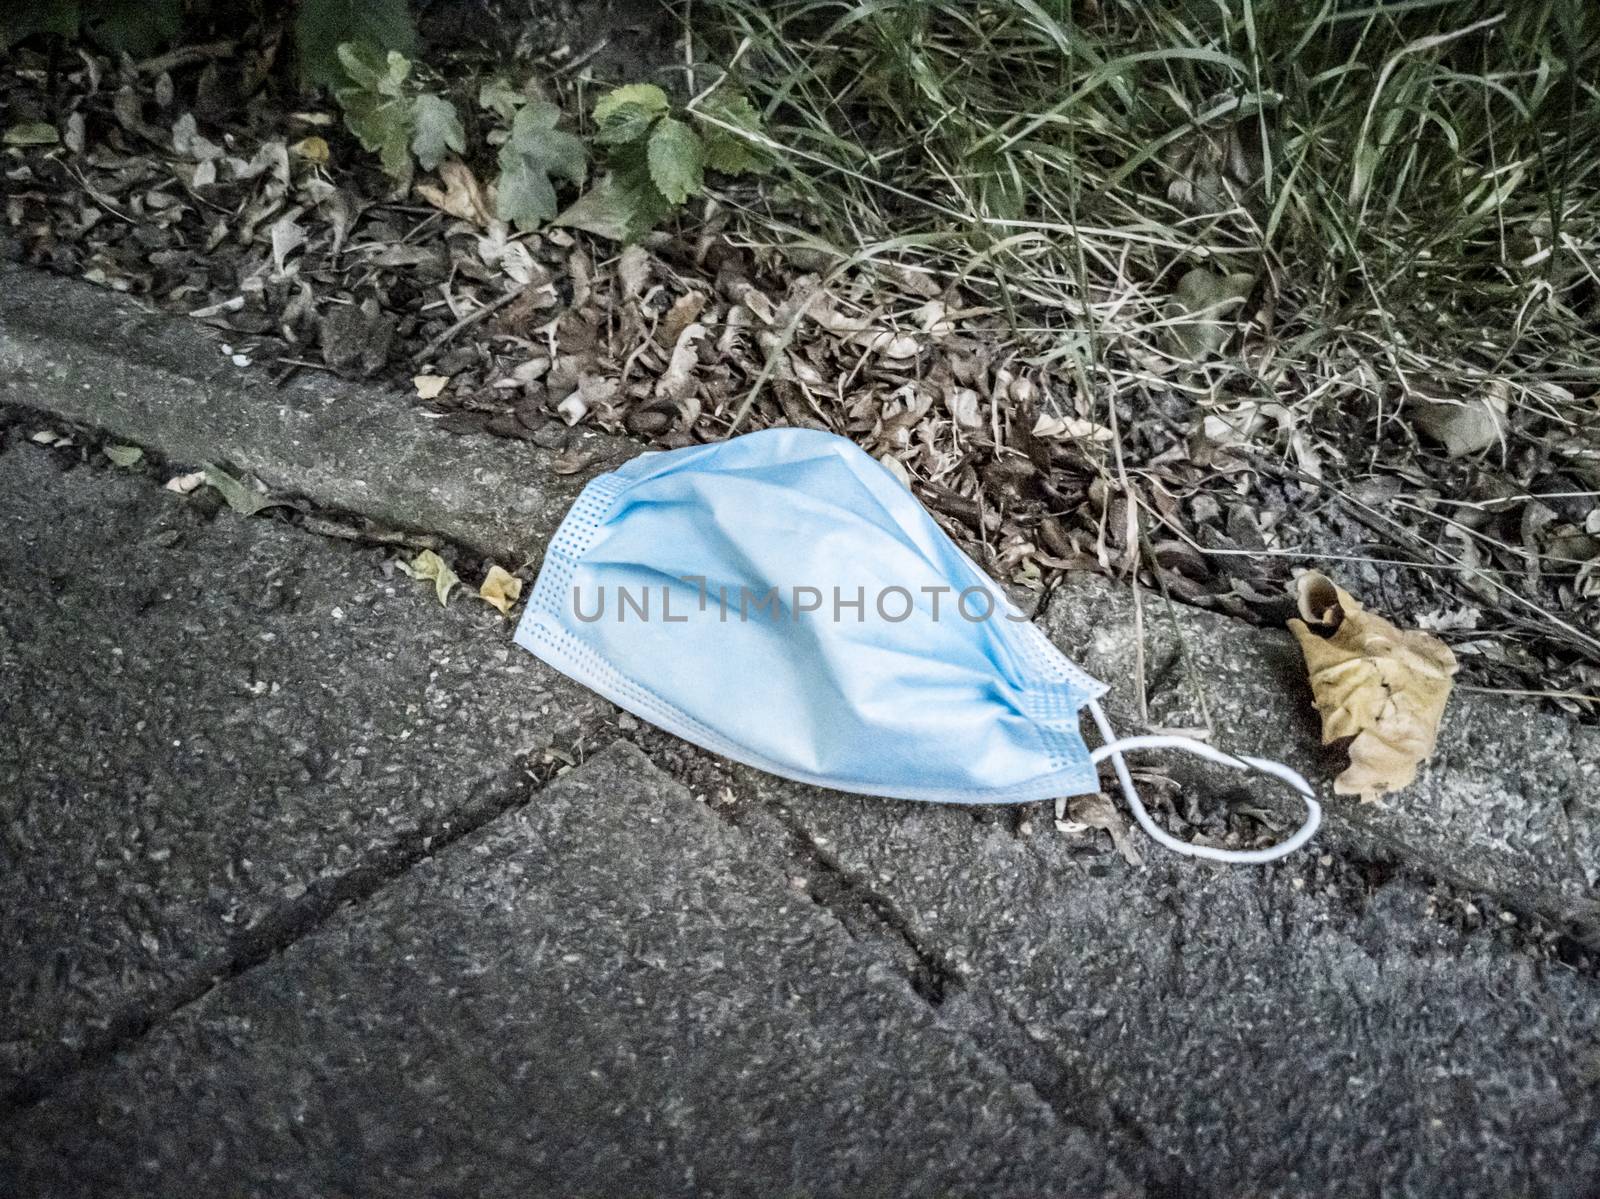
[(241, 497), (534, 155), (377, 109), (534, 117), (524, 194), (677, 160), (436, 130), (362, 66), (646, 96), (725, 152), (729, 152), (612, 210), (623, 206), (559, 153), (322, 26), (382, 124), (626, 114), (380, 72), (499, 97), (626, 123), (124, 455)]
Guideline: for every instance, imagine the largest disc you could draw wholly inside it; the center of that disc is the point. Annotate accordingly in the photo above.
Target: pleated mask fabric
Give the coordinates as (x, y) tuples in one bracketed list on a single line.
[(782, 599)]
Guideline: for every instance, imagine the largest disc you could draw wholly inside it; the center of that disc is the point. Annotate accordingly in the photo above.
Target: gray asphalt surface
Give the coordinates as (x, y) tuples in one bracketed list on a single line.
[(213, 730), (291, 909)]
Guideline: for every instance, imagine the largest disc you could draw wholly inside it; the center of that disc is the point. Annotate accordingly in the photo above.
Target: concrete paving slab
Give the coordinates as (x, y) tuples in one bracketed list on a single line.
[(1306, 1029), (1508, 805), (1509, 802), (87, 354), (212, 730), (600, 993)]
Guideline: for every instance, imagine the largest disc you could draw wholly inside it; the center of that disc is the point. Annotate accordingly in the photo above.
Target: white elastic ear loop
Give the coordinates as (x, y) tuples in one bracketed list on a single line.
[(1113, 749)]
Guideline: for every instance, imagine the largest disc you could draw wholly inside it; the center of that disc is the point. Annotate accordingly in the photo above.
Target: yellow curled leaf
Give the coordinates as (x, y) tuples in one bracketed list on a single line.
[(1384, 687), (428, 565), (501, 588)]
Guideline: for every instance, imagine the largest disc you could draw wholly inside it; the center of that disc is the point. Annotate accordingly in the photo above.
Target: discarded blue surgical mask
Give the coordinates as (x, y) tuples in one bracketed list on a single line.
[(783, 600)]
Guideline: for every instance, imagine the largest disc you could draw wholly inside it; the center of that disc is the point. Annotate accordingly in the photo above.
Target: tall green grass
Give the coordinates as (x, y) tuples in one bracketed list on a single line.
[(1409, 190)]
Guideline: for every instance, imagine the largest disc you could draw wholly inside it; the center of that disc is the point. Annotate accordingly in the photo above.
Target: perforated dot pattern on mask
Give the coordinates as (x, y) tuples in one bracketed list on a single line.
[(1054, 697)]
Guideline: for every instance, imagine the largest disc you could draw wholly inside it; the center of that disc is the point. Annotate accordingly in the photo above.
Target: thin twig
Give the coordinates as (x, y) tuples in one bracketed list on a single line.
[(331, 527), (578, 60), (466, 322), (638, 350), (185, 55), (1191, 670), (1531, 694), (1135, 537)]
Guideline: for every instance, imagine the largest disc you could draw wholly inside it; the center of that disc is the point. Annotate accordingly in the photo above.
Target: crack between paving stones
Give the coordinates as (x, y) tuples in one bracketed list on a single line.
[(993, 1028), (832, 887), (1027, 1061), (934, 980), (866, 916), (1016, 1053), (1003, 1038), (989, 1025), (873, 920), (281, 928)]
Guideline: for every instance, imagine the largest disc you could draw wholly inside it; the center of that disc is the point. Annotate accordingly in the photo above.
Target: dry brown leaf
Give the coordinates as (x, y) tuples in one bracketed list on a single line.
[(461, 196), (914, 281), (633, 271), (501, 588), (678, 380), (962, 404), (1070, 428), (311, 149), (934, 317), (572, 461), (1096, 811), (896, 468), (1383, 686), (1463, 426), (685, 310), (429, 387), (893, 346)]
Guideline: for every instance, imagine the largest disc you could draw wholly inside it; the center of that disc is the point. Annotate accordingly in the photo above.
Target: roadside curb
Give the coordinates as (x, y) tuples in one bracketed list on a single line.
[(1508, 804), (93, 356)]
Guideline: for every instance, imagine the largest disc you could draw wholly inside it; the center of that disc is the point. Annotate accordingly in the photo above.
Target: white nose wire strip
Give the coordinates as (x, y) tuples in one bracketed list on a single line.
[(1113, 749)]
